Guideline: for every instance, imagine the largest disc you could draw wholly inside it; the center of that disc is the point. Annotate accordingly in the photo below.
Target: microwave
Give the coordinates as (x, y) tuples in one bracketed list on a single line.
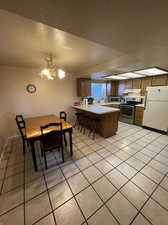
[(114, 99)]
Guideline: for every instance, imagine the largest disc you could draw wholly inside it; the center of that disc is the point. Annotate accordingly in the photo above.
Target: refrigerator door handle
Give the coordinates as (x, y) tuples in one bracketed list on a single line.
[(145, 100)]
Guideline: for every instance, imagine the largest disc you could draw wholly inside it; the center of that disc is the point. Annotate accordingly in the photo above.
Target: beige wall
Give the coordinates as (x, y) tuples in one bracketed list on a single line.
[(50, 97)]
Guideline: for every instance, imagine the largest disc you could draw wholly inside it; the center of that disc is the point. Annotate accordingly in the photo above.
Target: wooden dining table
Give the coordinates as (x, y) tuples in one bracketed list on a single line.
[(33, 131)]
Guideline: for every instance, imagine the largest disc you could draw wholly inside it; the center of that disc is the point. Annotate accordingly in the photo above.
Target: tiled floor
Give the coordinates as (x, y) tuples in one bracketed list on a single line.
[(119, 180)]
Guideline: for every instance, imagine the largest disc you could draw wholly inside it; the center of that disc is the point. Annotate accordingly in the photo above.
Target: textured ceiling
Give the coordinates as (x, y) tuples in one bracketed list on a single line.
[(136, 31)]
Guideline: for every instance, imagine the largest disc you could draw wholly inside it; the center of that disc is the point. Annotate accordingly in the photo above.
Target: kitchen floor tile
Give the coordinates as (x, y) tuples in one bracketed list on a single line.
[(13, 182), (155, 213), (127, 170), (152, 174), (161, 196), (54, 177), (48, 220), (104, 152), (140, 220), (37, 208), (144, 183), (122, 209), (158, 166), (113, 160), (89, 201), (136, 163), (60, 194), (104, 166), (102, 216), (104, 188), (14, 217), (92, 174), (164, 183), (77, 183), (83, 163), (69, 214), (117, 179), (134, 194), (94, 157), (69, 169)]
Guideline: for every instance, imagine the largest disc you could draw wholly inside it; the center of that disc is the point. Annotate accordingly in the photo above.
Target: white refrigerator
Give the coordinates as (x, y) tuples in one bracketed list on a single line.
[(156, 108)]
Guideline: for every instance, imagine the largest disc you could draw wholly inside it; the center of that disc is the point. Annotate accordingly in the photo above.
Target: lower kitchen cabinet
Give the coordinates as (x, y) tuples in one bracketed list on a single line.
[(138, 118), (113, 105)]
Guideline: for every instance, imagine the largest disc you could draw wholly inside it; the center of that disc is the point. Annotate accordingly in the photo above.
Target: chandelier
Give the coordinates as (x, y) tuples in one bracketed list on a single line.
[(51, 71)]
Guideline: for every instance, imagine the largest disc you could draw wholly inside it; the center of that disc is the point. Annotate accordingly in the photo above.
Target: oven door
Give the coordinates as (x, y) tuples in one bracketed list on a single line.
[(127, 114)]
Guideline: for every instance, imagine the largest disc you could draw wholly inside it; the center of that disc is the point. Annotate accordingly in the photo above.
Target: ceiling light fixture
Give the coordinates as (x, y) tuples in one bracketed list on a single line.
[(116, 77), (151, 71), (131, 75), (51, 70)]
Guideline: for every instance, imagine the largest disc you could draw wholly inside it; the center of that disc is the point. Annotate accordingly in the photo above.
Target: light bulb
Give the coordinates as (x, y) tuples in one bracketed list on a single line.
[(61, 73)]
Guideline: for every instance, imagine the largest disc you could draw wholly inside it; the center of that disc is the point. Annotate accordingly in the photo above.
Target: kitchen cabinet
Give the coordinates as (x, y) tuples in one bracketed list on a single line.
[(128, 84), (136, 83), (113, 105), (138, 117), (159, 80), (145, 82), (83, 87), (112, 88), (121, 87)]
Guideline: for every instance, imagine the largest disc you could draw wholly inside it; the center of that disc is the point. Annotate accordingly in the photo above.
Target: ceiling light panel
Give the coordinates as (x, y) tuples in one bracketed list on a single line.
[(116, 77), (131, 75), (151, 71)]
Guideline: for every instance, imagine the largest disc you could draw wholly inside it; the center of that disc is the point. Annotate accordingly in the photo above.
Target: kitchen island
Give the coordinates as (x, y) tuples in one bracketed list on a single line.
[(108, 118)]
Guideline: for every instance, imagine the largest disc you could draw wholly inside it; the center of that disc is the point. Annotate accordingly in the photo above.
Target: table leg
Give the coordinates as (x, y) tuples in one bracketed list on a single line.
[(70, 141), (33, 155)]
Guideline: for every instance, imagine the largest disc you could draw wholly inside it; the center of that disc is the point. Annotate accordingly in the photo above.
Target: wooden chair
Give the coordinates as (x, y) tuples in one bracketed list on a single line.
[(52, 139), (63, 116), (22, 129)]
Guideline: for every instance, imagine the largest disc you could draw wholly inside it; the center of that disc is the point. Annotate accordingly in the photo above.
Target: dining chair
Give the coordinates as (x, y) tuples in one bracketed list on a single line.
[(22, 129), (63, 116), (51, 138)]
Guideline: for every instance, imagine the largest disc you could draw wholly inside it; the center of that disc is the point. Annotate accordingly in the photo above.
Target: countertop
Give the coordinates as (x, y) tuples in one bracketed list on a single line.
[(140, 105), (97, 108)]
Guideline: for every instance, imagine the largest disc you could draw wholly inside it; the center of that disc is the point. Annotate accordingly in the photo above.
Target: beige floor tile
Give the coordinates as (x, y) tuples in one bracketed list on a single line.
[(48, 220), (147, 152), (164, 183), (31, 175), (134, 194), (83, 163), (116, 178), (129, 150), (77, 183), (86, 150), (159, 166), (11, 199), (104, 153), (112, 148), (95, 146), (89, 201), (37, 208), (122, 155), (92, 174), (104, 188), (140, 220), (144, 158), (155, 213), (102, 216), (77, 155), (104, 166), (113, 160), (12, 170), (69, 170), (136, 163), (69, 214), (161, 196), (94, 157), (2, 173), (54, 177), (144, 183), (152, 174), (60, 194), (13, 182), (34, 188), (127, 170), (14, 217), (122, 209)]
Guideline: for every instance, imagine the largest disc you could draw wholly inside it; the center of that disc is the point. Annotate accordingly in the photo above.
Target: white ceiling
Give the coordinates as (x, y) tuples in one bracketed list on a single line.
[(135, 32)]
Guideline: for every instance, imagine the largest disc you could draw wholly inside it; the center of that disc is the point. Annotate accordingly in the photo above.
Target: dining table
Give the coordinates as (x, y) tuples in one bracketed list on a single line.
[(33, 131)]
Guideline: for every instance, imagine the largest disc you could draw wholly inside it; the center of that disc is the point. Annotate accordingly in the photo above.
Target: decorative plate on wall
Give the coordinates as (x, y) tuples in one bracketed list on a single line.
[(31, 88)]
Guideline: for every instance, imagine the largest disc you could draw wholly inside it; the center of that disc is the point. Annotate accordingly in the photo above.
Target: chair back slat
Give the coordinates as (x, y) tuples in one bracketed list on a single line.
[(51, 129), (63, 116), (21, 124)]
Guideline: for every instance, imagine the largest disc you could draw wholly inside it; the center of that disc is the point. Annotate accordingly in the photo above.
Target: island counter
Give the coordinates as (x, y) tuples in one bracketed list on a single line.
[(108, 118)]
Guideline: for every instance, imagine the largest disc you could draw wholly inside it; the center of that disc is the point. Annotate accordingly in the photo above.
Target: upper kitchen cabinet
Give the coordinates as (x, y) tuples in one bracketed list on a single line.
[(159, 80), (108, 88), (114, 88), (136, 83), (121, 87), (145, 82), (83, 87), (128, 84)]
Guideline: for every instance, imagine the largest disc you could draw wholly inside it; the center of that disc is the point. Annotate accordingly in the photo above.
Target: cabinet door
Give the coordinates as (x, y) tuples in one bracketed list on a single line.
[(145, 82), (138, 115), (121, 87), (159, 80), (83, 87), (108, 88), (128, 84), (114, 86), (136, 83)]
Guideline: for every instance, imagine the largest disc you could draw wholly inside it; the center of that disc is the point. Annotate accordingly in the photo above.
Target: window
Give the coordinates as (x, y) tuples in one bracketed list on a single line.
[(98, 90)]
